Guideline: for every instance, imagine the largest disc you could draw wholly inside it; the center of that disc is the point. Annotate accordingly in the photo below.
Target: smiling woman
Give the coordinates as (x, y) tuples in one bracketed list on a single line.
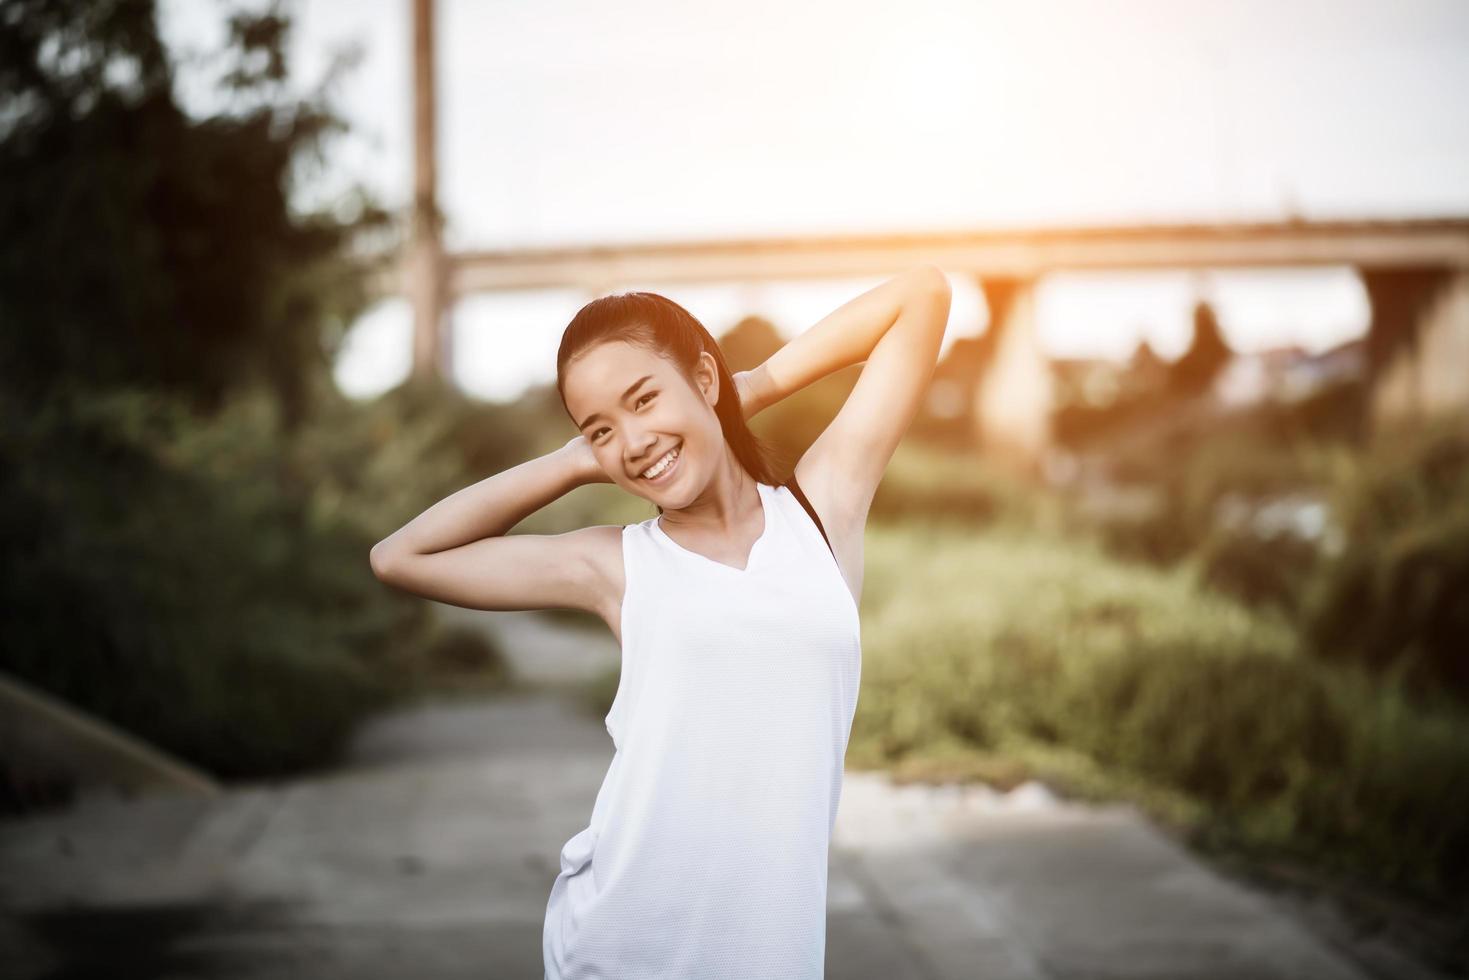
[(736, 609), (682, 395)]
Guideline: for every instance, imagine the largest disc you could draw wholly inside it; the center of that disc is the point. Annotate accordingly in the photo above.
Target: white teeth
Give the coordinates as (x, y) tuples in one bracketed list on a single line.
[(664, 463)]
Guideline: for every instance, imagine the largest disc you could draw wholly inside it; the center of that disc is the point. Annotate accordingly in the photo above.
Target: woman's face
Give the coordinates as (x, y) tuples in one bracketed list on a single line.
[(633, 407)]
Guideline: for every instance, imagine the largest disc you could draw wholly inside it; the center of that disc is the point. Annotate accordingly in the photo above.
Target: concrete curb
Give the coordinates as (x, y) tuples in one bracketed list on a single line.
[(41, 733)]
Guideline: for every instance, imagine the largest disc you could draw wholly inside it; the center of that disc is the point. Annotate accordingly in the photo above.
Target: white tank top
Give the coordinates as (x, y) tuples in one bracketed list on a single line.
[(706, 854)]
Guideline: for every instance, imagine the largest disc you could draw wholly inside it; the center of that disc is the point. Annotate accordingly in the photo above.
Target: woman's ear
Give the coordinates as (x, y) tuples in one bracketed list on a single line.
[(706, 376)]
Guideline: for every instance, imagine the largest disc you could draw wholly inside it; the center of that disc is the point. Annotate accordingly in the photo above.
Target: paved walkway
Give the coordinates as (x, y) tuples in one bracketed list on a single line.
[(432, 856)]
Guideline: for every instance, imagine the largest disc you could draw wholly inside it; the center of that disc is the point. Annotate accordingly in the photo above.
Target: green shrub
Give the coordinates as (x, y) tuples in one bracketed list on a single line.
[(186, 580), (926, 483), (1393, 810), (1163, 537), (1194, 482), (467, 650), (1397, 593), (1124, 680), (1268, 571), (1240, 730)]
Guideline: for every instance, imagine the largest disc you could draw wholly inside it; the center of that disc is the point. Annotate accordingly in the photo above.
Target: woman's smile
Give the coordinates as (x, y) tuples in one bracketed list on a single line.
[(668, 463)]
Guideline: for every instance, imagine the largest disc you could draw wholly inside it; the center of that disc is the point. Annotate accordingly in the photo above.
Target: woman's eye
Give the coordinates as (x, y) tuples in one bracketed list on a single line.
[(639, 404)]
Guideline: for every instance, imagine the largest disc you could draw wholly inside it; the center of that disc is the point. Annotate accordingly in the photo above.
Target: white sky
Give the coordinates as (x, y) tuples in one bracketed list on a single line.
[(568, 121)]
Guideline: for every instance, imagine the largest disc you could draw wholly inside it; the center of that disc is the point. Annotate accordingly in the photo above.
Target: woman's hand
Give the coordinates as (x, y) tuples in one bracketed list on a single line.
[(745, 388), (585, 461)]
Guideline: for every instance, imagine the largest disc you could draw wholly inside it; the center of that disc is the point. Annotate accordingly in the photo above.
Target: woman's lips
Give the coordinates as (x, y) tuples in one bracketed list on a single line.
[(668, 472)]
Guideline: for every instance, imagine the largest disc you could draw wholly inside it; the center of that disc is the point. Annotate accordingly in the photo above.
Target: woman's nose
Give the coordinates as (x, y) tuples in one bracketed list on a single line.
[(642, 445)]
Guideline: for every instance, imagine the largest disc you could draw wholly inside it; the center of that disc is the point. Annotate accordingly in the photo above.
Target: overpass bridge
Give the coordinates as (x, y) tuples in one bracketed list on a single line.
[(1415, 272), (1012, 254)]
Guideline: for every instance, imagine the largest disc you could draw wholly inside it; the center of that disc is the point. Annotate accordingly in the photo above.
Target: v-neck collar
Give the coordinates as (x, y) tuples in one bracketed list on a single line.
[(755, 549)]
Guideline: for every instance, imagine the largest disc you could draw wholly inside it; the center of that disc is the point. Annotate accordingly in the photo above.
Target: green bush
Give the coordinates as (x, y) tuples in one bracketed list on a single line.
[(1393, 810), (1115, 679), (1397, 593), (1270, 571), (1240, 730), (1163, 537), (467, 650), (928, 483), (1195, 481), (187, 580)]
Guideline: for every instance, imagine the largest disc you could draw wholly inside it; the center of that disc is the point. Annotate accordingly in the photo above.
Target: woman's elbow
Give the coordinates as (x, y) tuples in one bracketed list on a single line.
[(383, 559), (931, 294), (929, 280), (933, 279)]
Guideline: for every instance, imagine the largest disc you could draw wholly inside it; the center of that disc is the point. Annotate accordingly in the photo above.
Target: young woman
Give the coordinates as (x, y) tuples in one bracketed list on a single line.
[(736, 609)]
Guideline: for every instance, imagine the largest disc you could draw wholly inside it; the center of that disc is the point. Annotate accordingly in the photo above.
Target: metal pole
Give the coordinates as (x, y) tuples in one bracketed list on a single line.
[(427, 281)]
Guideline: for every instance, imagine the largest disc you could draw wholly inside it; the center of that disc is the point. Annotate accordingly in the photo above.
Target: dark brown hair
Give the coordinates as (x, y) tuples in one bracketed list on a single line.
[(662, 327)]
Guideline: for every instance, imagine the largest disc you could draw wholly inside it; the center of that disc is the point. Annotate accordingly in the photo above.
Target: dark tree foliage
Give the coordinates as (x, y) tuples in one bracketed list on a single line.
[(141, 246), (183, 540)]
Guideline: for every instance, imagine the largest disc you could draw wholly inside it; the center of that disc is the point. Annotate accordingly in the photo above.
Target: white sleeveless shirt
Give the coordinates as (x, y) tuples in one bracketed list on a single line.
[(706, 854)]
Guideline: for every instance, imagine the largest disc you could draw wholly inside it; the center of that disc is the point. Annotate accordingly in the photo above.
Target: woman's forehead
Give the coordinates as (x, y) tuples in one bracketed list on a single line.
[(604, 373)]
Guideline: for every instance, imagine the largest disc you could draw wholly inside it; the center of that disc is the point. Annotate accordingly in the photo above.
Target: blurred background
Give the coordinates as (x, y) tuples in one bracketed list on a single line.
[(1183, 522)]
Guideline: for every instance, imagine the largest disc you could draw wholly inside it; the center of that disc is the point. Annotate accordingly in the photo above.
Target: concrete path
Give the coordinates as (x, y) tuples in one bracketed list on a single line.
[(432, 855)]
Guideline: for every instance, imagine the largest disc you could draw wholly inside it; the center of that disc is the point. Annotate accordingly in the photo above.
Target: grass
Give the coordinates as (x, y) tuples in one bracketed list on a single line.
[(1004, 654)]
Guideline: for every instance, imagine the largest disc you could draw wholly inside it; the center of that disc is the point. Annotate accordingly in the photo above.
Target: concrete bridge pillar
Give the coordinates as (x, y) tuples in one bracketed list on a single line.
[(1013, 393), (1418, 344)]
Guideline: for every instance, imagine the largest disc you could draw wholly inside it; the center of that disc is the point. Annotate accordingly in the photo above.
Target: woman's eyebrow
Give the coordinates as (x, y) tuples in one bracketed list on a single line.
[(625, 395)]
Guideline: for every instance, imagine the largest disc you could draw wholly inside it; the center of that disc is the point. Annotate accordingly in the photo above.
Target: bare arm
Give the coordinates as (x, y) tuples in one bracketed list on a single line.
[(846, 336), (896, 328), (458, 551)]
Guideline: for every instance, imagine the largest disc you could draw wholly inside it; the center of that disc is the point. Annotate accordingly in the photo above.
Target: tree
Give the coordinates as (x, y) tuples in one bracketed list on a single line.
[(140, 246), (183, 545)]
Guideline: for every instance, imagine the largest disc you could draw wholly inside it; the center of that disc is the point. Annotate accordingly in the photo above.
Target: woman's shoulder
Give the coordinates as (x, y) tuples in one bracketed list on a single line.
[(609, 544)]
